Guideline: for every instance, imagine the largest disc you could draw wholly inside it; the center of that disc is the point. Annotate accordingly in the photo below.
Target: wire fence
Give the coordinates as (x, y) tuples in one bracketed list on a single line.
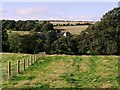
[(19, 66)]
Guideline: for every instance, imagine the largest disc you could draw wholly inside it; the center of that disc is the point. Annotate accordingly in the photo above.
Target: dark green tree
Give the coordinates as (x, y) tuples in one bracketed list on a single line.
[(5, 43), (62, 46), (102, 37), (50, 37), (15, 42), (46, 26)]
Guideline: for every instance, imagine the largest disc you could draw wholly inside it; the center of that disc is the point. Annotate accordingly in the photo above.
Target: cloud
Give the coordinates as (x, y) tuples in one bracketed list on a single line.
[(31, 11), (27, 13)]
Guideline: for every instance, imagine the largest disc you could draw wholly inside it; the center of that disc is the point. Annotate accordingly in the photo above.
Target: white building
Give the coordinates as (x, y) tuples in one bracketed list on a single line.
[(67, 34)]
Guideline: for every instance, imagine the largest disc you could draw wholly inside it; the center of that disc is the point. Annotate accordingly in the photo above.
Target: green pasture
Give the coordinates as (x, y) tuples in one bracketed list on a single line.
[(66, 71)]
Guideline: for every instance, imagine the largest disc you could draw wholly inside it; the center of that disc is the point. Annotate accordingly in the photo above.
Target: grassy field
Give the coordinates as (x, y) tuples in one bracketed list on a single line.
[(72, 29), (65, 71)]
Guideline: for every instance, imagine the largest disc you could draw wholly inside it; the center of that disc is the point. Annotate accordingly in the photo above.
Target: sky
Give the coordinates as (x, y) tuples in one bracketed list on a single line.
[(80, 11)]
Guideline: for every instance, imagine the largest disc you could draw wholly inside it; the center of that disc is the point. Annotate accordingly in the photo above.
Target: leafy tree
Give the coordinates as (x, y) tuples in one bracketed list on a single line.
[(102, 37), (15, 42), (8, 24), (46, 26), (5, 43), (74, 41), (49, 38), (62, 46), (38, 26), (29, 44)]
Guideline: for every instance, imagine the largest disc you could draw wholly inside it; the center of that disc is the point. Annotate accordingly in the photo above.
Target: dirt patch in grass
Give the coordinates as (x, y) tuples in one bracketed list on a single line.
[(106, 85), (22, 83), (84, 67)]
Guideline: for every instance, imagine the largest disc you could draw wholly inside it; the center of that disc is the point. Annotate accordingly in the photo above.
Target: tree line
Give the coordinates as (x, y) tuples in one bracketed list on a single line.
[(27, 25), (76, 24), (102, 38)]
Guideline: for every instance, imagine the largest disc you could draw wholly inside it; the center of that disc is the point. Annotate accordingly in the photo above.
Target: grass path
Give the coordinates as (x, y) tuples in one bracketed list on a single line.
[(69, 72)]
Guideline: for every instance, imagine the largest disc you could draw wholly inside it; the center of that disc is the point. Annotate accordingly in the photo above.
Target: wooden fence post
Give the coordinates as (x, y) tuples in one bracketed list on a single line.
[(28, 62), (24, 64), (18, 67), (31, 59), (34, 58), (9, 70)]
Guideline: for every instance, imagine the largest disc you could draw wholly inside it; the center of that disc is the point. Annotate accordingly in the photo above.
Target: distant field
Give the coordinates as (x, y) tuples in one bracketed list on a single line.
[(18, 32), (65, 71), (72, 29)]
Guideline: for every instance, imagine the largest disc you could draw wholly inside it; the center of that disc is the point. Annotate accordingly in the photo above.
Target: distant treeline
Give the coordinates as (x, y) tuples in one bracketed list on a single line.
[(76, 24), (70, 23), (102, 38), (34, 24), (26, 25)]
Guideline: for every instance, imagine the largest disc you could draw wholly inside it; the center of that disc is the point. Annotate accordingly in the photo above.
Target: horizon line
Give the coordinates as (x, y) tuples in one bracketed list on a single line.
[(52, 20)]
